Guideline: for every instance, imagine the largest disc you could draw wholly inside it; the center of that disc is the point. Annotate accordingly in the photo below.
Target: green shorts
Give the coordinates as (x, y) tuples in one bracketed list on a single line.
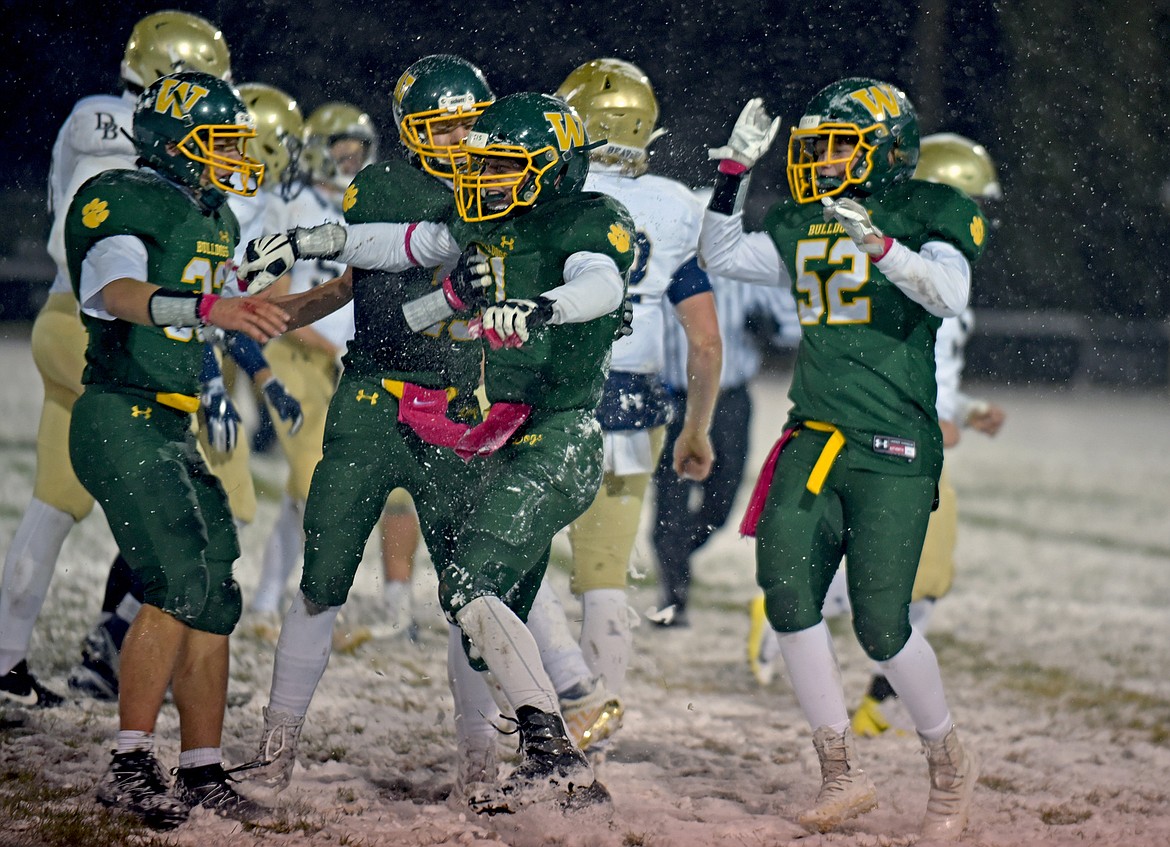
[(168, 514), (876, 519)]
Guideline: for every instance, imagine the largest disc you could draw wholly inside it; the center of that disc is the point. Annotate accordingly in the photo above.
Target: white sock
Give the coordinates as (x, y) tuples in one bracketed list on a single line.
[(510, 652), (28, 569), (302, 653), (132, 740), (921, 612), (559, 652), (398, 598), (815, 676), (605, 635), (837, 597), (913, 673), (200, 757), (281, 555), (476, 712)]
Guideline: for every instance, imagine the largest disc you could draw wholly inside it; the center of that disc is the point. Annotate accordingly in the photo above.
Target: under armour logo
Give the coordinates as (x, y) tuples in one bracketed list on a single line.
[(106, 126), (373, 398), (136, 412), (633, 401), (507, 243)]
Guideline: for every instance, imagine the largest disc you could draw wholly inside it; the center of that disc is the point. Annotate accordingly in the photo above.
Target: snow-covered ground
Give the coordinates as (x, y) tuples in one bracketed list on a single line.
[(1055, 645)]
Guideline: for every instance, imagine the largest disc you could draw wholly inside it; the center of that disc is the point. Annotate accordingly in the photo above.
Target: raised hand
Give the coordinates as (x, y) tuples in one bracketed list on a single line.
[(751, 136)]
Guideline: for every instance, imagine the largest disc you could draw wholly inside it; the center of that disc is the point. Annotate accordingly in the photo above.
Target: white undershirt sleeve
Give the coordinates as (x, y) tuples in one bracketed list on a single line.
[(398, 246), (111, 258), (593, 287), (938, 277), (726, 250)]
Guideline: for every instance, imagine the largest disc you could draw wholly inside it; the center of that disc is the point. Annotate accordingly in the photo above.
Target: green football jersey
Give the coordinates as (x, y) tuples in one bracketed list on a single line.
[(444, 354), (866, 358), (561, 366), (189, 248)]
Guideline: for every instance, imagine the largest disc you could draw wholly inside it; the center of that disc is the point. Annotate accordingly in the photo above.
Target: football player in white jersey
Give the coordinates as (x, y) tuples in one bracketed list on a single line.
[(337, 141), (617, 104), (94, 138)]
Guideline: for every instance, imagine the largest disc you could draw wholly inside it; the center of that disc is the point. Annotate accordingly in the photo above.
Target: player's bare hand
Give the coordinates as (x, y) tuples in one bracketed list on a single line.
[(987, 419), (254, 317), (693, 455)]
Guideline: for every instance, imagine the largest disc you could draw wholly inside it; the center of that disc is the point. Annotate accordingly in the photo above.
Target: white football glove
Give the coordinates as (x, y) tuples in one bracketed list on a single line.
[(269, 257), (751, 136), (855, 220), (511, 320)]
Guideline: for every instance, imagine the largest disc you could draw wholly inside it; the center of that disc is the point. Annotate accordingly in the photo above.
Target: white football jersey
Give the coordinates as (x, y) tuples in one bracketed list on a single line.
[(948, 363), (667, 217), (94, 138), (308, 208)]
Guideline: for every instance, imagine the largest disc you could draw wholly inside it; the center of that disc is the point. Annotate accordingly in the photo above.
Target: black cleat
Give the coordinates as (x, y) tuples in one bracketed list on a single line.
[(551, 768), (136, 784), (210, 787), (21, 687)]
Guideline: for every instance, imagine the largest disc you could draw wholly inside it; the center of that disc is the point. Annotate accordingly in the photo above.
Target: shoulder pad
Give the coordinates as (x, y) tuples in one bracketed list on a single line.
[(395, 192)]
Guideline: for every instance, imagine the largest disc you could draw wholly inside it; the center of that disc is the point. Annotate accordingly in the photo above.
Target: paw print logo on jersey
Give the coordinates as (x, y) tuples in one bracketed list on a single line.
[(349, 199), (95, 213), (978, 230), (620, 238)]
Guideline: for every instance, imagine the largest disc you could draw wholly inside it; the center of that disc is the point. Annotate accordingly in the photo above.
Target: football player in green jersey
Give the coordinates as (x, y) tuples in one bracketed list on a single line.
[(148, 252), (402, 396), (546, 262), (875, 260)]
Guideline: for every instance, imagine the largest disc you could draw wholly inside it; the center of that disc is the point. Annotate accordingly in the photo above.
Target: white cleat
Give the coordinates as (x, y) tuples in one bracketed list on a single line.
[(278, 751), (953, 774), (846, 790)]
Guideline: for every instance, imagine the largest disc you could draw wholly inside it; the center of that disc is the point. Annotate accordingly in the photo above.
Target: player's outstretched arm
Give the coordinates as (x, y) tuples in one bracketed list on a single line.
[(146, 303)]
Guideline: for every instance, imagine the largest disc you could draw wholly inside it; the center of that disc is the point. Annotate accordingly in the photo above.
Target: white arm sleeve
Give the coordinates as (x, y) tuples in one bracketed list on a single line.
[(938, 277), (948, 368), (111, 258), (726, 250), (398, 246), (593, 287)]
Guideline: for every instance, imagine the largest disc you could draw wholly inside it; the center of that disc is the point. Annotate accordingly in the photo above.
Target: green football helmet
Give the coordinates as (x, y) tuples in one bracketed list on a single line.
[(328, 124), (615, 100), (166, 42), (279, 124), (960, 163), (186, 123), (524, 148), (432, 96), (866, 129)]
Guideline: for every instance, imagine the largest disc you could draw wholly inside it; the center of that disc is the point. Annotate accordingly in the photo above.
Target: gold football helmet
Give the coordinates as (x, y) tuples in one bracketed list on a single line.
[(165, 42), (960, 163), (617, 104), (327, 125), (279, 124)]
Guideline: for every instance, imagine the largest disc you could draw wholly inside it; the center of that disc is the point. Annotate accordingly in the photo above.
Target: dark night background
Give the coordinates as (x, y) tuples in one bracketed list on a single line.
[(1071, 100)]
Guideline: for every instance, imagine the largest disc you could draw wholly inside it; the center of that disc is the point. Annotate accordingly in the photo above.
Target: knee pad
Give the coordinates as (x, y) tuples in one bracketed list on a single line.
[(222, 610)]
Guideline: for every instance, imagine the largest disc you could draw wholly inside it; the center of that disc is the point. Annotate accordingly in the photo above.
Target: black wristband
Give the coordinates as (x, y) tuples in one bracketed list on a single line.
[(727, 196)]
